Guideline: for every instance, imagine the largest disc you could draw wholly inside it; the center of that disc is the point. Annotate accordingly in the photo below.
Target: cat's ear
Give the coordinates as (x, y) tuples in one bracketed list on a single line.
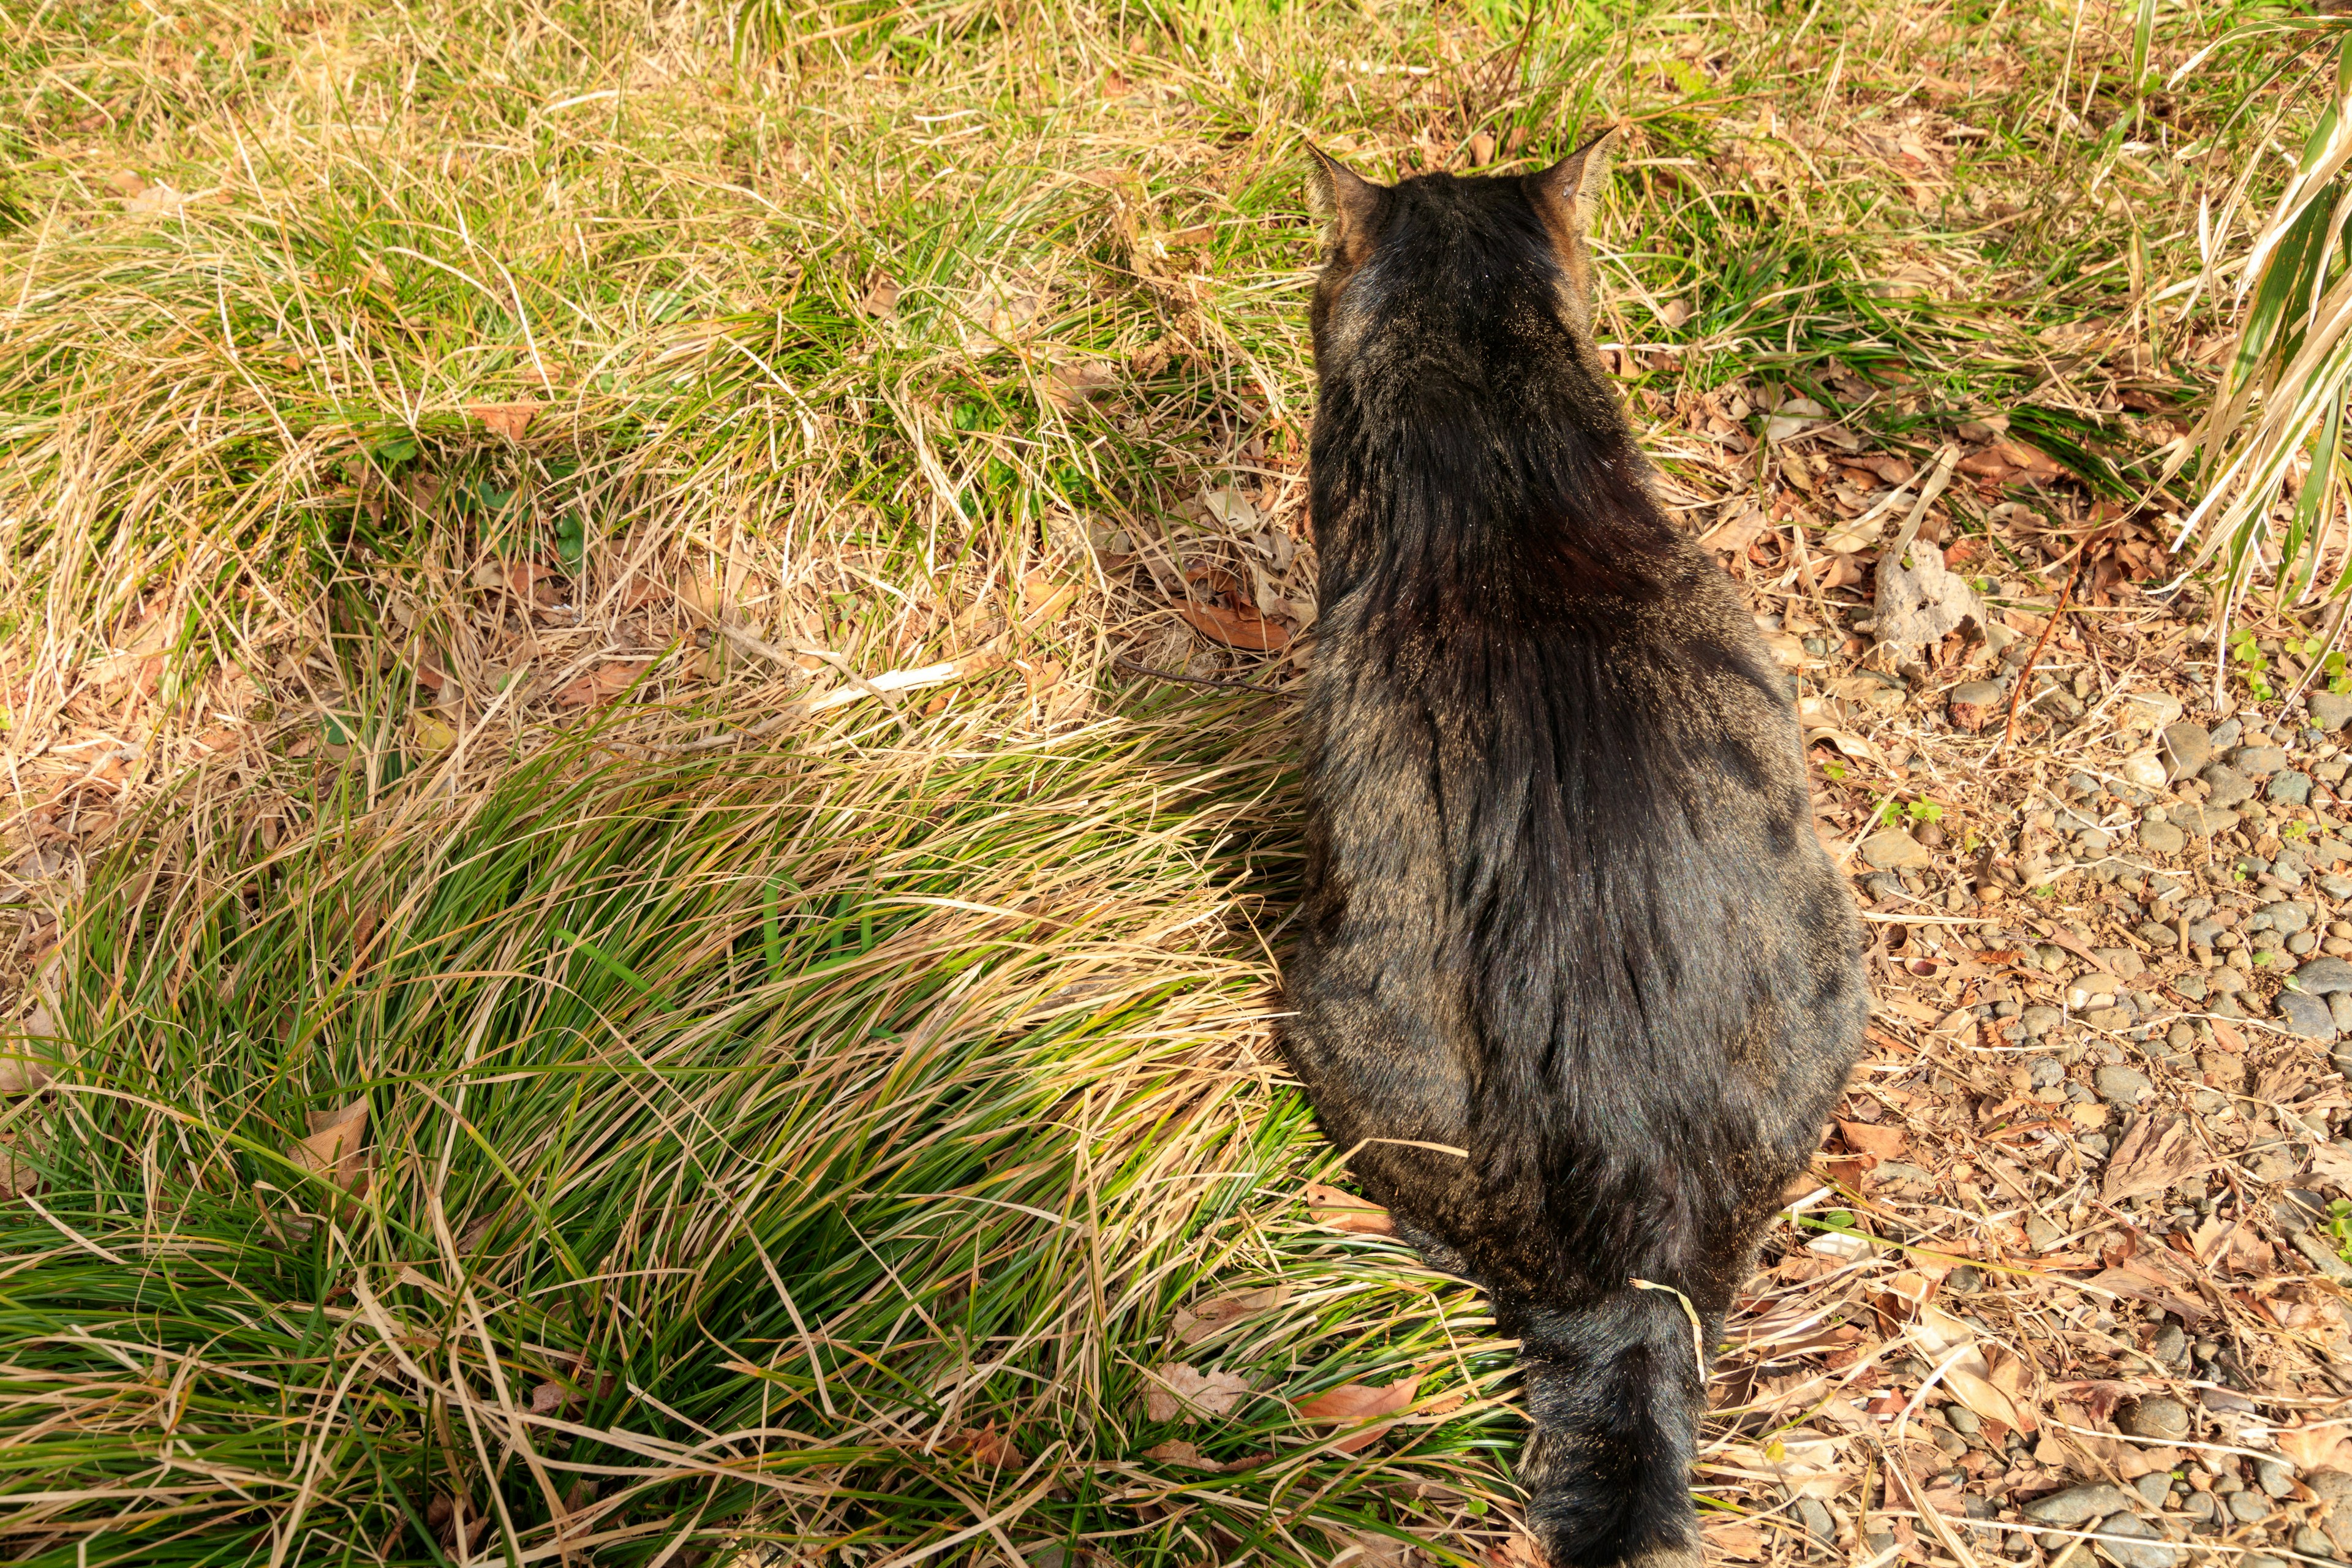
[(1567, 193), (1343, 199)]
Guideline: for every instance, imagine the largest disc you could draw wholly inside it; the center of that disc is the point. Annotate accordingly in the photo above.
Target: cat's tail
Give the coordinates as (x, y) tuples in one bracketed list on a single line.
[(1616, 1390)]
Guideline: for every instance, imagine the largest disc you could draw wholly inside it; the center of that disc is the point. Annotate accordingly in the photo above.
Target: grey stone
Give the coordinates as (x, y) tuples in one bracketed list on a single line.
[(2328, 710), (2335, 887), (2154, 1488), (1965, 1280), (1959, 1417), (2248, 1506), (2170, 1346), (2204, 820), (2332, 1486), (2289, 789), (2339, 1008), (2275, 1477), (2287, 916), (2187, 747), (2134, 1555), (2037, 1021), (2122, 1086), (1951, 1442), (2311, 1543), (2258, 762), (2041, 1234), (2306, 1016), (2078, 1505), (1814, 1515), (1892, 850), (2324, 976), (2230, 786), (2225, 734), (1981, 696), (2044, 1072), (2158, 1416)]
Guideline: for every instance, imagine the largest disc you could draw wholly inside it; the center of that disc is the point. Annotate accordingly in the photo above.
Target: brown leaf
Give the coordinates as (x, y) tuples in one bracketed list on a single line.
[(1175, 1453), (599, 684), (1347, 1212), (1354, 1402), (1243, 628), (2316, 1447), (1198, 1323), (507, 419), (548, 1398), (1075, 382), (1863, 1138), (2156, 1155), (333, 1148), (880, 299), (1180, 1389), (16, 1177), (1742, 1542), (987, 1445)]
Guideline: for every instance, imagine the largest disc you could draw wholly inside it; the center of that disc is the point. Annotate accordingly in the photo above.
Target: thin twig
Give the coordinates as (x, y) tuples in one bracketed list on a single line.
[(2025, 675)]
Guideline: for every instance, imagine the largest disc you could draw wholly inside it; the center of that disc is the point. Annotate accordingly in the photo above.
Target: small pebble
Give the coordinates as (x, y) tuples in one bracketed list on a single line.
[(2274, 1476), (2122, 1086), (2248, 1506), (2076, 1505), (2160, 1415), (2153, 1554)]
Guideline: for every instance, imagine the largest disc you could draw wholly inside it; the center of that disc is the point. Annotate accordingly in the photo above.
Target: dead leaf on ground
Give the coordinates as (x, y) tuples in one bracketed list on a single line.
[(1075, 382), (2157, 1155), (2326, 1446), (987, 1445), (1865, 1138), (333, 1148), (881, 299), (507, 419), (1178, 1388), (1347, 1212), (1354, 1402), (1742, 1542), (601, 684), (1198, 1322), (1244, 629), (17, 1176)]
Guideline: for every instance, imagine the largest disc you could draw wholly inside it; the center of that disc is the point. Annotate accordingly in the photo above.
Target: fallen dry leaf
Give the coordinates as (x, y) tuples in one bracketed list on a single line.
[(601, 684), (1175, 1453), (333, 1148), (1198, 1322), (2157, 1155), (1866, 1138), (507, 419), (1178, 1388), (17, 1176), (1347, 1212), (987, 1445), (1244, 629), (880, 299), (1742, 1542), (1075, 382), (1353, 1401), (433, 735), (2326, 1446), (548, 1398)]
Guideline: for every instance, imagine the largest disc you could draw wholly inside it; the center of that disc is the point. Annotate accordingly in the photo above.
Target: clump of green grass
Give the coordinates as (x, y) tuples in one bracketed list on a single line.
[(812, 1147)]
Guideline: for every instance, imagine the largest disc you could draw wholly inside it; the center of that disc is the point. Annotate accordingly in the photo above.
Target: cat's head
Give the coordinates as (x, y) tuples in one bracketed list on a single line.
[(1440, 255)]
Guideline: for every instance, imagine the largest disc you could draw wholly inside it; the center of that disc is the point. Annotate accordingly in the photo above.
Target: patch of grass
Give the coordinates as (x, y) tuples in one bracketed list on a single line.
[(812, 1150), (437, 447)]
